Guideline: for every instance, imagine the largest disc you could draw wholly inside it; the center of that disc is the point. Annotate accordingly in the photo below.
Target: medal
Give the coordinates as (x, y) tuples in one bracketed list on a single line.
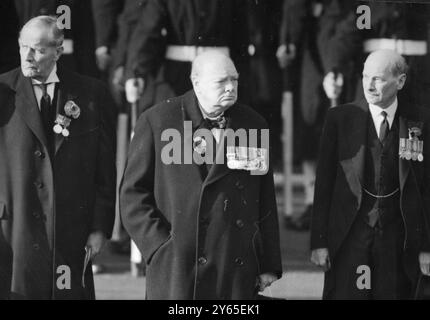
[(61, 125), (58, 129)]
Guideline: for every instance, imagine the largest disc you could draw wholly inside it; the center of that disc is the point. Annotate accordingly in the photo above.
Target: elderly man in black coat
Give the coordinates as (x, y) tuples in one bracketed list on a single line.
[(370, 226), (206, 229), (57, 170)]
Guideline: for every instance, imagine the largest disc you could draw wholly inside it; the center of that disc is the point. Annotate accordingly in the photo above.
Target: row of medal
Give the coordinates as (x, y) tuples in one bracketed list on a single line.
[(247, 158), (411, 149)]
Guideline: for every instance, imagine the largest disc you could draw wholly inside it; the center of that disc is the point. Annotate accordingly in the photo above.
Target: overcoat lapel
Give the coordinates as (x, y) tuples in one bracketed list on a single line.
[(404, 165), (357, 143), (191, 112), (61, 101), (27, 106)]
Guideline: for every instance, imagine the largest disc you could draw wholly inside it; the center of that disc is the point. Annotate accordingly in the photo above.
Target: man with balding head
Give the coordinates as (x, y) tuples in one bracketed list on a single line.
[(205, 222), (370, 226), (57, 169)]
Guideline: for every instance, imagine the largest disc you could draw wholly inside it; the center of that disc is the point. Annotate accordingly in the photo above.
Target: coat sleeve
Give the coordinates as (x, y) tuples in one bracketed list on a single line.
[(324, 183), (104, 207), (141, 218), (292, 25), (146, 46), (127, 22), (105, 13), (339, 39)]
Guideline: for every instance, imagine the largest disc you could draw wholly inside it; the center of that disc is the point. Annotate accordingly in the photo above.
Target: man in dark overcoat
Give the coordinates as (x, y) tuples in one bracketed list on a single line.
[(370, 226), (57, 170), (207, 230)]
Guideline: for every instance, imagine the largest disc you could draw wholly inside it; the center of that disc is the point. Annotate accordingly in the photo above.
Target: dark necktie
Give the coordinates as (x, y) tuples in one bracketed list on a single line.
[(383, 130), (45, 108), (219, 123)]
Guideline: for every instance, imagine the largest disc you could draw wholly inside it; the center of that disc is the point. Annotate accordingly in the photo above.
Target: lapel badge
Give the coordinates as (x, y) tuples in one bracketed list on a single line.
[(199, 145), (71, 109), (61, 125)]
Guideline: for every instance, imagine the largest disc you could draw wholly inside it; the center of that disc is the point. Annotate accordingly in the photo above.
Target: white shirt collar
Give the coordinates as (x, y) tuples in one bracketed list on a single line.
[(52, 78), (378, 117)]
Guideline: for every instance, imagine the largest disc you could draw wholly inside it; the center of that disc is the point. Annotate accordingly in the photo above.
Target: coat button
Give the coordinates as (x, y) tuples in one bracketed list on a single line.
[(39, 154), (239, 224), (36, 246), (239, 261), (239, 185), (200, 38), (202, 260)]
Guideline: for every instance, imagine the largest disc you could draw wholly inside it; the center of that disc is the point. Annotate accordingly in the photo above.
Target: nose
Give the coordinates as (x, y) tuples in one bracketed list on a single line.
[(229, 87), (28, 54), (369, 84)]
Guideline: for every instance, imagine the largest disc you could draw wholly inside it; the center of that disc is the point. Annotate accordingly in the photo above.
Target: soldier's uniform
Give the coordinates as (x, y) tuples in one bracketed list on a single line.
[(169, 35)]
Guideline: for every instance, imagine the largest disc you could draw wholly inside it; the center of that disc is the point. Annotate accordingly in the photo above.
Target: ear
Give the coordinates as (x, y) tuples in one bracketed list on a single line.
[(196, 84), (401, 81), (59, 52)]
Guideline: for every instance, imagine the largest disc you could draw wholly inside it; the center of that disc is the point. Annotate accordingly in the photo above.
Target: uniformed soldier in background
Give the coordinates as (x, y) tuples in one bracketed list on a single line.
[(170, 34), (318, 41)]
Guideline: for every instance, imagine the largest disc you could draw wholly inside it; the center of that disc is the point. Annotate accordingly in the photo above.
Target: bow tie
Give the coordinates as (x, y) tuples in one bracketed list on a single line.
[(219, 122)]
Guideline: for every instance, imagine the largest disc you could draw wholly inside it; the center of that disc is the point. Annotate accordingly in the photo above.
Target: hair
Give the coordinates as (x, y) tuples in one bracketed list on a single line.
[(57, 34), (202, 59), (397, 63), (399, 66)]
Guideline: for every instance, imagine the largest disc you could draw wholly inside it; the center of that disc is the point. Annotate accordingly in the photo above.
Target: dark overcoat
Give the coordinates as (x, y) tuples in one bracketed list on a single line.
[(48, 207), (202, 238), (340, 172)]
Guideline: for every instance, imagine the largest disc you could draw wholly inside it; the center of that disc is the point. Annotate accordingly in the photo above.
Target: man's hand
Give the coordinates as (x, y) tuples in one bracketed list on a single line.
[(96, 242), (265, 280), (320, 257), (103, 58), (286, 54), (134, 89), (333, 85), (424, 259), (118, 78)]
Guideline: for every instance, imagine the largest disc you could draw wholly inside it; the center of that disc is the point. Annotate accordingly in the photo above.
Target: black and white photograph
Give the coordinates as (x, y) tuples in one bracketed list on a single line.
[(226, 157)]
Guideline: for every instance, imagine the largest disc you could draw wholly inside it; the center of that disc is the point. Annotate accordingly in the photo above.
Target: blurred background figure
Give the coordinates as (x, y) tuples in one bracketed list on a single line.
[(112, 37), (169, 35), (9, 28), (265, 76), (318, 41)]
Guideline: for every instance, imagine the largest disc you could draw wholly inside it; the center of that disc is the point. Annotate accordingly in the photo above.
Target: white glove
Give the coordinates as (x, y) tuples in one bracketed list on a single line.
[(134, 89), (286, 55), (333, 86)]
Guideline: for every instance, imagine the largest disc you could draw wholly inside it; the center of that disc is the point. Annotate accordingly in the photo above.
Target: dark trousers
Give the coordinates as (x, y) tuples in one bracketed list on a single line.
[(380, 250)]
